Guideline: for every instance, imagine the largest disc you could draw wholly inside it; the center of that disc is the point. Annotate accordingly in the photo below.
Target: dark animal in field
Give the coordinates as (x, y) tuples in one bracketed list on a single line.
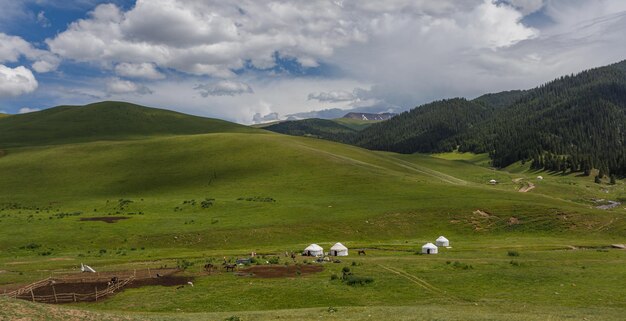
[(114, 280), (230, 267), (209, 267), (293, 256), (361, 252)]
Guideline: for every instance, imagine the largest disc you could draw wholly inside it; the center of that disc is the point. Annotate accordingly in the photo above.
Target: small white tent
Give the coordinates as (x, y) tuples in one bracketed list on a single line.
[(339, 250), (442, 241), (493, 181), (539, 177), (314, 250), (429, 248)]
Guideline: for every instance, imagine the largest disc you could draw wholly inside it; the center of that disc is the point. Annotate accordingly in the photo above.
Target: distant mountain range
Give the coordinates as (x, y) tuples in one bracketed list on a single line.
[(571, 124)]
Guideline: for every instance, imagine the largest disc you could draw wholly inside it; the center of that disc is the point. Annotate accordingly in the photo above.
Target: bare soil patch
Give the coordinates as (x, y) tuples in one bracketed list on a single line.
[(106, 219), (81, 285), (279, 271)]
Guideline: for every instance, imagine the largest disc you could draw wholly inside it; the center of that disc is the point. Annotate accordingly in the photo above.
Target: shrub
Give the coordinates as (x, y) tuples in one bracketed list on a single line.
[(353, 280), (233, 318), (183, 264), (334, 277), (332, 310), (103, 251), (513, 253), (274, 260), (31, 246), (515, 263)]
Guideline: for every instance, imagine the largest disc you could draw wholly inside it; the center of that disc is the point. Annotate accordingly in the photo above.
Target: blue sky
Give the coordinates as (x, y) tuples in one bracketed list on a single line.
[(235, 59)]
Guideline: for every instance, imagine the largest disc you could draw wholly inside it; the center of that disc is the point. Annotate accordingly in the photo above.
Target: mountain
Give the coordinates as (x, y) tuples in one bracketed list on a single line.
[(369, 116), (573, 123), (334, 113), (103, 121)]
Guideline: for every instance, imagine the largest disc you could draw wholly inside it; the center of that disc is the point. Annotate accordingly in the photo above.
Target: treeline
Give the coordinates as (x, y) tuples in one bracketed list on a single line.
[(572, 124)]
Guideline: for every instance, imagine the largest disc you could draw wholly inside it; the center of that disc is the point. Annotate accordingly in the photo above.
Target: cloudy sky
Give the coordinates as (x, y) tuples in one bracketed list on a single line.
[(233, 59)]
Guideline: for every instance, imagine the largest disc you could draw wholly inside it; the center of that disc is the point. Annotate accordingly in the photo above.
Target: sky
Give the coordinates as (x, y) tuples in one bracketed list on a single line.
[(237, 59)]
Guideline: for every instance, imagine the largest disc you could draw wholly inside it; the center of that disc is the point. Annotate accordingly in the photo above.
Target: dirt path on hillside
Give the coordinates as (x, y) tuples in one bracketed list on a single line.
[(420, 282)]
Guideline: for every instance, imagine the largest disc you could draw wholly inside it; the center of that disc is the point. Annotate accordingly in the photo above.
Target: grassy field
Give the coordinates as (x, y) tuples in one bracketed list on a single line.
[(228, 192)]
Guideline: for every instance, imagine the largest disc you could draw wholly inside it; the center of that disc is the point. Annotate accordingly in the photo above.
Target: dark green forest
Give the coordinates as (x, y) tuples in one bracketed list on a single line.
[(571, 124)]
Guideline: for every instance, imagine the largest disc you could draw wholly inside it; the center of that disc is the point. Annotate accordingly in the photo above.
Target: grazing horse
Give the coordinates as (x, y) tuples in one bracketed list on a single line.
[(209, 267), (230, 267), (361, 252)]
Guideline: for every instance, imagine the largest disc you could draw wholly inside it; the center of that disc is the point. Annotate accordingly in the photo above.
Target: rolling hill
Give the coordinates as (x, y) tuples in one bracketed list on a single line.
[(103, 121), (189, 199)]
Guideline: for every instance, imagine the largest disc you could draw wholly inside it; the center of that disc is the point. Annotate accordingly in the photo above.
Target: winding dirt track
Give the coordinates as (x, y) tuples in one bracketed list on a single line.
[(420, 282)]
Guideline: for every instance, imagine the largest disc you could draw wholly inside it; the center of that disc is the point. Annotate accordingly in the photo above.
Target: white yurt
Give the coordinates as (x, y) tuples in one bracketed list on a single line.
[(442, 241), (539, 177), (314, 250), (493, 181), (429, 248), (339, 250)]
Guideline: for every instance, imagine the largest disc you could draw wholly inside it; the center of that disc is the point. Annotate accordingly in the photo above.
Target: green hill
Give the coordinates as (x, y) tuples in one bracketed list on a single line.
[(103, 121), (314, 127), (356, 124), (571, 124), (187, 200)]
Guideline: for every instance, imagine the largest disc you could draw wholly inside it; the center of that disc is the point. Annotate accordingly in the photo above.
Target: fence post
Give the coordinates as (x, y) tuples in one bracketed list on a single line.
[(96, 293), (149, 273), (74, 294), (54, 291), (32, 295)]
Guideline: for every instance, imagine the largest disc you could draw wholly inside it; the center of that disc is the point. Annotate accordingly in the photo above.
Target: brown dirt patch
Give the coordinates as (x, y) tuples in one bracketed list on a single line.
[(89, 284), (279, 271), (106, 219), (513, 221)]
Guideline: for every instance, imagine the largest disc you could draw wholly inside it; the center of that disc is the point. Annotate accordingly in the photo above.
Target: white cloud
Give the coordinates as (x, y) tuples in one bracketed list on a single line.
[(25, 110), (43, 20), (224, 88), (333, 96), (13, 47), (16, 81), (121, 86), (140, 70)]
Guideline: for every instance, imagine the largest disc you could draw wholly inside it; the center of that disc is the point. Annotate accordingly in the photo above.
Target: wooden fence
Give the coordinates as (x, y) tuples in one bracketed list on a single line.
[(27, 292)]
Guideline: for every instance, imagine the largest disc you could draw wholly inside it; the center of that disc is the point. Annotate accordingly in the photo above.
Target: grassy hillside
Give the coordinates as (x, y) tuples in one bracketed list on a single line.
[(203, 197), (103, 121), (356, 124)]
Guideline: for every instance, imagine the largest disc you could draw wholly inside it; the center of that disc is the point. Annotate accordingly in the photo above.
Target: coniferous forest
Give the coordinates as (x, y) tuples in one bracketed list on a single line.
[(572, 124)]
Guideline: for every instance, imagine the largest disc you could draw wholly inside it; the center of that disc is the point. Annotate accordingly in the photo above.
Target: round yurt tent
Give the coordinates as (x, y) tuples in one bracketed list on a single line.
[(442, 241), (314, 250), (339, 250), (429, 248)]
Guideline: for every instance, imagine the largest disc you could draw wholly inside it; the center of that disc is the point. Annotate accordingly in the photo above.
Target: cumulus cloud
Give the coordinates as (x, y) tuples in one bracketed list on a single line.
[(16, 81), (121, 86), (224, 88), (140, 70), (25, 110), (13, 47)]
